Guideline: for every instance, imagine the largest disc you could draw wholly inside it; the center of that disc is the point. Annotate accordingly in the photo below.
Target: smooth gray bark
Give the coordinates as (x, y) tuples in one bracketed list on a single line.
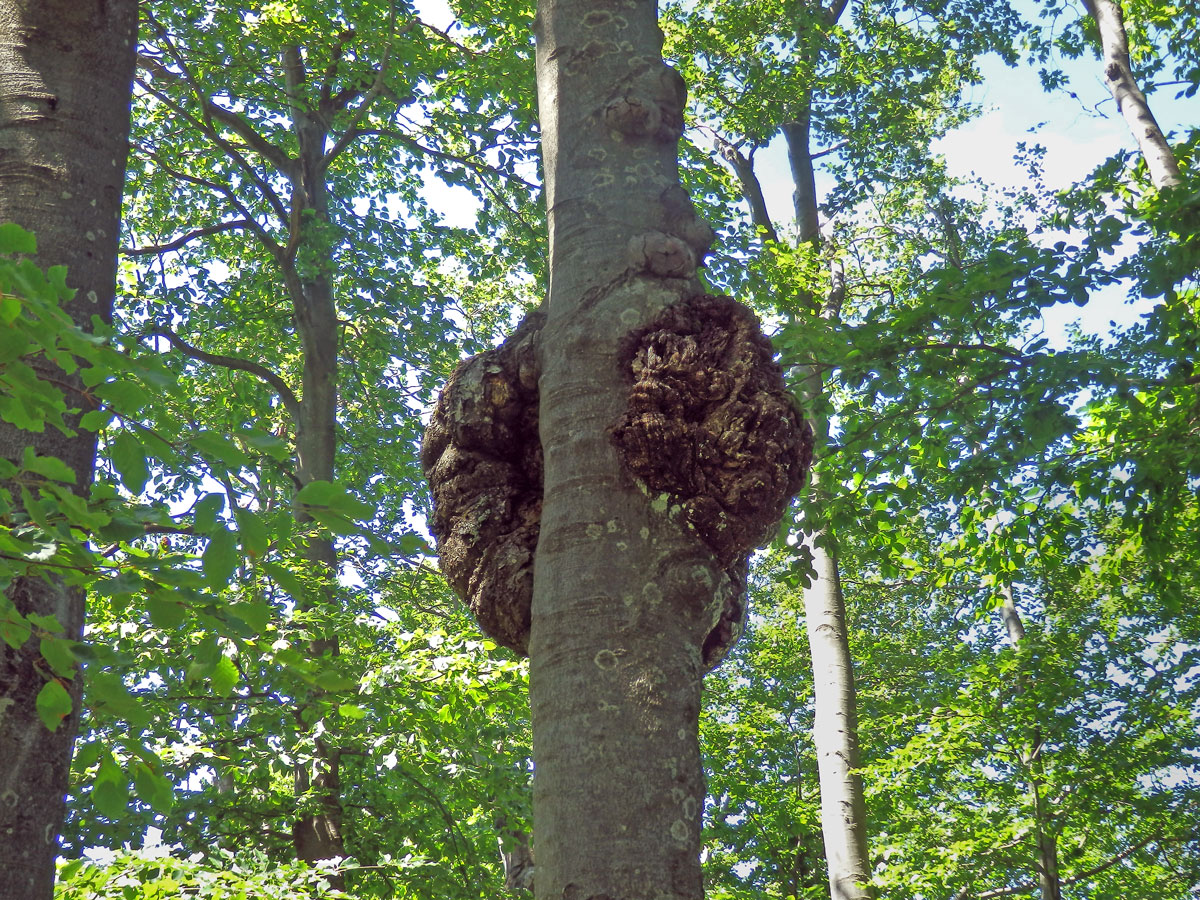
[(623, 596), (1118, 77), (835, 722), (66, 67)]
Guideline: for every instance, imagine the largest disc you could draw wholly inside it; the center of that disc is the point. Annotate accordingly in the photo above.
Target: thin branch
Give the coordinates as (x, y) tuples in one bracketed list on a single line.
[(351, 132), (289, 399), (187, 238), (834, 149), (743, 168), (282, 162), (272, 246)]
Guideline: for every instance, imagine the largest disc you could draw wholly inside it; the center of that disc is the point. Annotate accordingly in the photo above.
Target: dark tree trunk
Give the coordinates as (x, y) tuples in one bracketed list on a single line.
[(66, 67), (317, 835), (1049, 880)]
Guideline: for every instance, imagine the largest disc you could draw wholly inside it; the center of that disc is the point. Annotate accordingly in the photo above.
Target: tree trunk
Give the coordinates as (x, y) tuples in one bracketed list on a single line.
[(66, 67), (318, 835), (624, 593), (1049, 880), (835, 723), (1118, 76)]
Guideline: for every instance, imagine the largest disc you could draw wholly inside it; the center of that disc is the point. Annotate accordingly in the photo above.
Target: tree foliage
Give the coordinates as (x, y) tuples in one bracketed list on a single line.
[(978, 466)]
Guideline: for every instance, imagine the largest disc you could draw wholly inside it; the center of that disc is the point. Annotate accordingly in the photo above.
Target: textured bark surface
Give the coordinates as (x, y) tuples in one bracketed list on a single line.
[(709, 426), (65, 72), (484, 464), (625, 595), (667, 450), (710, 423), (1118, 77)]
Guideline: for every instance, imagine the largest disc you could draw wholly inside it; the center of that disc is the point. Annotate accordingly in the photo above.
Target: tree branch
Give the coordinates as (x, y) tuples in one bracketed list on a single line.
[(288, 398), (372, 93), (224, 190), (743, 168), (190, 236)]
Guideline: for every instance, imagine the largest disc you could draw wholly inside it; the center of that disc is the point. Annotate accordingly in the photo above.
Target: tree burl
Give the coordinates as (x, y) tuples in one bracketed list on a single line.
[(710, 432)]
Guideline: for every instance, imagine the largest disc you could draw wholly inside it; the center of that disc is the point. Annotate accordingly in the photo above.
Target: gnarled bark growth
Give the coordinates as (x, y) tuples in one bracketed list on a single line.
[(484, 464), (710, 423), (710, 428)]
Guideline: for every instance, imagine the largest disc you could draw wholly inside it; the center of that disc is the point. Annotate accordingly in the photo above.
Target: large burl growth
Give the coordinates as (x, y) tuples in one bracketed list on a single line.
[(483, 460), (712, 429), (710, 432)]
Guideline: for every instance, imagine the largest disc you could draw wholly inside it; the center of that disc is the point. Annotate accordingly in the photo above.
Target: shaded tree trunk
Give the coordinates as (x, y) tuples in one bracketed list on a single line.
[(66, 67), (1118, 77), (1049, 881), (317, 835)]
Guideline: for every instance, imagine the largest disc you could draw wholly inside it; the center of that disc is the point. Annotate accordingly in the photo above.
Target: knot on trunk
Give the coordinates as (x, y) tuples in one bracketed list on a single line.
[(483, 460), (711, 424)]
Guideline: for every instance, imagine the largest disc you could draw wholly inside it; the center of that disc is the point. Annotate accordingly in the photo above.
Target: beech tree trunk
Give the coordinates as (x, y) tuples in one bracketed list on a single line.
[(66, 67), (1046, 841), (623, 596), (835, 722), (1118, 76), (316, 835)]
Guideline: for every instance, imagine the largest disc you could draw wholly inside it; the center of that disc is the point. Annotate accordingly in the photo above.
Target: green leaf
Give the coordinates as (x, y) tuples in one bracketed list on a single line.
[(48, 466), (207, 509), (107, 691), (253, 532), (126, 397), (95, 419), (15, 631), (111, 797), (60, 653), (10, 309), (15, 239), (53, 704), (129, 459), (219, 447), (224, 677), (267, 443), (351, 711), (255, 614), (286, 579), (220, 558), (165, 612), (329, 680), (334, 497), (153, 788)]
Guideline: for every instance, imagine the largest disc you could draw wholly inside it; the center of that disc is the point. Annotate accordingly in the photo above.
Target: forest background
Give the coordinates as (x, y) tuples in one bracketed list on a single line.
[(1008, 507)]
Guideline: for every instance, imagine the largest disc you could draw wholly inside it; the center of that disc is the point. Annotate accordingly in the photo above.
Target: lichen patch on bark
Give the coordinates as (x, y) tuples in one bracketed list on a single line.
[(483, 460)]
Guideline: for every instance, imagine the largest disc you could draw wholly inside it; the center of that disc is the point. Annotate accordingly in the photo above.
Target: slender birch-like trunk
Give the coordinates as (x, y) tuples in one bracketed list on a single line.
[(66, 67), (1118, 76), (835, 722)]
